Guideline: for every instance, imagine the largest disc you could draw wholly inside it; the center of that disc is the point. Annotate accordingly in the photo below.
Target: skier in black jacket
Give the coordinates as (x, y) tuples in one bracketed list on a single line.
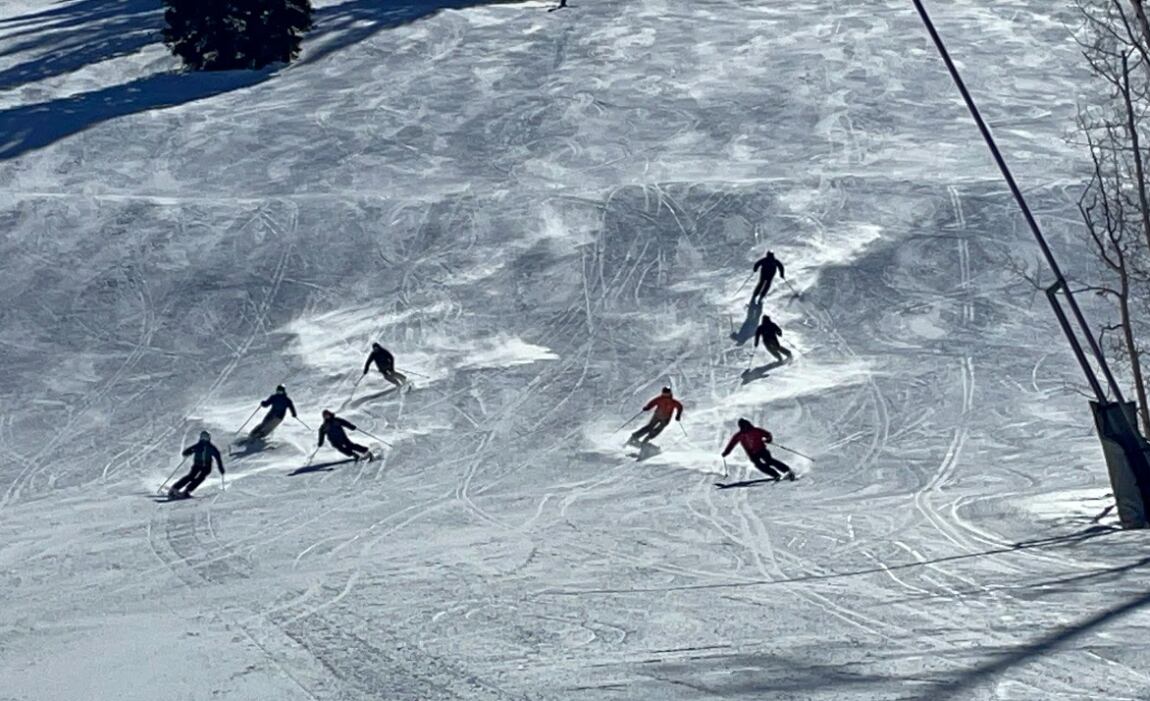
[(203, 453), (333, 428), (769, 333), (280, 405), (767, 267), (385, 361)]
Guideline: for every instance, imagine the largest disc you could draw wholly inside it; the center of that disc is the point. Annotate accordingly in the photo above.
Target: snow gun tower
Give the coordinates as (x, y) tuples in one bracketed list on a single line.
[(1125, 449)]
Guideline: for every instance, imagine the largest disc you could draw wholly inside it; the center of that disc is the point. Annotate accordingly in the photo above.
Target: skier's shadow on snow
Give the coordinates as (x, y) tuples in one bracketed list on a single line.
[(360, 401), (745, 483), (319, 467), (646, 450), (760, 372), (249, 446), (747, 331)]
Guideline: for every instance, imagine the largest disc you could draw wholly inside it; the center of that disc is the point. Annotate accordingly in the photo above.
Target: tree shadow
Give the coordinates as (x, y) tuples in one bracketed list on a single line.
[(965, 682), (29, 127), (747, 331), (765, 675), (72, 35), (319, 467), (353, 21), (1068, 539)]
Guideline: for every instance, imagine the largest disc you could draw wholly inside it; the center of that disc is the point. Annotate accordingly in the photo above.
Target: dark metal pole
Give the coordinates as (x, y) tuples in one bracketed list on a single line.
[(1051, 295), (1061, 279)]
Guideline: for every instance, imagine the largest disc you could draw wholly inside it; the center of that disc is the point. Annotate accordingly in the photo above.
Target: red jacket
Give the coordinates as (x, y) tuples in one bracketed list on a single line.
[(754, 440), (664, 407)]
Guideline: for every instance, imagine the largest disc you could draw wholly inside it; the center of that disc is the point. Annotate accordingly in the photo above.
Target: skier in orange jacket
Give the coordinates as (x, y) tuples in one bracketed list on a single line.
[(664, 405), (754, 441)]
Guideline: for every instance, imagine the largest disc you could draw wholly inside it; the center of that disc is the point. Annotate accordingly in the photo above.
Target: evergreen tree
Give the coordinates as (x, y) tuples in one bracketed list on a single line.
[(220, 35)]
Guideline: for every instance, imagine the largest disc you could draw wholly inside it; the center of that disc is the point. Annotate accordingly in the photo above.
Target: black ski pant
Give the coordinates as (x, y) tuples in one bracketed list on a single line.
[(763, 287), (193, 479), (269, 424), (348, 448), (653, 428), (395, 378), (768, 465), (778, 351)]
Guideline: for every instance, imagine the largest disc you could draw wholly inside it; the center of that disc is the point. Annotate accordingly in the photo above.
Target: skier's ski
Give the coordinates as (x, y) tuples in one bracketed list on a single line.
[(752, 483)]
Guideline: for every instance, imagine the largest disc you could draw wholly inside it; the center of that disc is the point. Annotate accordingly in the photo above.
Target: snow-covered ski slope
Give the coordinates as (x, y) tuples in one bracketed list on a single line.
[(549, 216)]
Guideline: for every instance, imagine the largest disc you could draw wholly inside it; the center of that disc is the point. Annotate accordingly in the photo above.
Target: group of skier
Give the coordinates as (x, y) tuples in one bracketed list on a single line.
[(664, 408), (753, 438), (333, 429), (768, 331)]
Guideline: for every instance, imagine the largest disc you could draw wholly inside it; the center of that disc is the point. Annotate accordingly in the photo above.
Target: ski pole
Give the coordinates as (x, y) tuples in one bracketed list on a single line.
[(302, 422), (417, 374), (374, 436), (165, 482), (356, 385), (312, 456), (789, 450), (628, 421), (683, 430), (797, 293), (245, 423), (223, 483), (726, 470)]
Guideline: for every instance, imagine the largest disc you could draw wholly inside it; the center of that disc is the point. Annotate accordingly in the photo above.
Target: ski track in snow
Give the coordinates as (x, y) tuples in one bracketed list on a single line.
[(547, 216)]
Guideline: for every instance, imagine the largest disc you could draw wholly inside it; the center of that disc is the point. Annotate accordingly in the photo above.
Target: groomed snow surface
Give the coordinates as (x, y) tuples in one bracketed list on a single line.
[(548, 216)]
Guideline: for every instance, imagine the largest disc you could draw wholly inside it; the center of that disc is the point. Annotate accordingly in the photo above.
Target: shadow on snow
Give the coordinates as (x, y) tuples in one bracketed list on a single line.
[(761, 371), (76, 34), (89, 31), (747, 331), (319, 467)]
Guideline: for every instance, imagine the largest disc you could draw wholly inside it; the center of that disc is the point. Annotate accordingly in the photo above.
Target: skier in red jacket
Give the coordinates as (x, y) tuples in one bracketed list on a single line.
[(754, 440), (664, 405)]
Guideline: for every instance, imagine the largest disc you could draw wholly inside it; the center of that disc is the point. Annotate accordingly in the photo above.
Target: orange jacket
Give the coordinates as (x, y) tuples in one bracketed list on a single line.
[(664, 407)]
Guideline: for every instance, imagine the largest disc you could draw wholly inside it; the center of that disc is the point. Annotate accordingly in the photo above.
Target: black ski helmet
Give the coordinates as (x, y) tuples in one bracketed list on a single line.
[(666, 390), (327, 414), (745, 425), (205, 436), (280, 389), (377, 346)]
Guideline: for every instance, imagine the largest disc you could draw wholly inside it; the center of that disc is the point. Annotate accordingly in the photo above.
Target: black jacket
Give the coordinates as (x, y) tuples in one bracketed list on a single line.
[(769, 265), (280, 405), (382, 358), (204, 453), (333, 429), (769, 331)]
